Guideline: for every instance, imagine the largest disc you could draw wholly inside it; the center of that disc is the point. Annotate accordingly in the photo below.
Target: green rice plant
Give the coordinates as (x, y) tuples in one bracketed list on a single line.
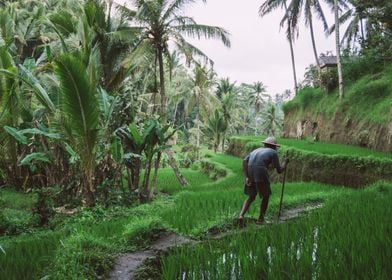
[(16, 216), (218, 203), (27, 256), (168, 183), (349, 237)]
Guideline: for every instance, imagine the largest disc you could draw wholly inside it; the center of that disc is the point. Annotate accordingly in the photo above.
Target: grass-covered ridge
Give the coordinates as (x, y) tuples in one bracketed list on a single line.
[(323, 162), (318, 147), (368, 97)]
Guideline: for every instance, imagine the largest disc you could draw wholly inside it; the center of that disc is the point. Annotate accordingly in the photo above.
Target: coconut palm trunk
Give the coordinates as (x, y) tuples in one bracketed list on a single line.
[(197, 132), (314, 43), (337, 38), (290, 38), (162, 84)]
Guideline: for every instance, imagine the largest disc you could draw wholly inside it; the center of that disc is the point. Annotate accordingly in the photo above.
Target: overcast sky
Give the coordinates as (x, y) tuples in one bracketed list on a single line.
[(259, 51)]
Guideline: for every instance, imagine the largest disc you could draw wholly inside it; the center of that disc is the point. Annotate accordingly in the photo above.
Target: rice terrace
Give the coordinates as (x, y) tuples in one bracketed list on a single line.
[(183, 139)]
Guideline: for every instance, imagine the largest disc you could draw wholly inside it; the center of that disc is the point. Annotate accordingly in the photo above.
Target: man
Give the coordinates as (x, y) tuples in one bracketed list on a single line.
[(255, 167)]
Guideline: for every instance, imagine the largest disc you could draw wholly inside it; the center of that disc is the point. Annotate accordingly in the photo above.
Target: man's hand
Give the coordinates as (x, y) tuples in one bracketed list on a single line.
[(247, 181)]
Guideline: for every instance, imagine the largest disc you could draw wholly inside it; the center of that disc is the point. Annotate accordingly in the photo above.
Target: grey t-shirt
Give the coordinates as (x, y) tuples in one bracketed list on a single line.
[(263, 157)]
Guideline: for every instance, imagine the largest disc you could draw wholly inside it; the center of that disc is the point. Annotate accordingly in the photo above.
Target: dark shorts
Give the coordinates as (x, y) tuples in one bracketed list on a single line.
[(260, 181)]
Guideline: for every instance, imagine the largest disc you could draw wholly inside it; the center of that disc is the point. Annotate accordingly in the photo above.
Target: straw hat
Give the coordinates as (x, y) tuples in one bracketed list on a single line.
[(270, 141)]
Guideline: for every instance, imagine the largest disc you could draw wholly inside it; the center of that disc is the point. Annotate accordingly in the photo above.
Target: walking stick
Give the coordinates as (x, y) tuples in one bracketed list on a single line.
[(284, 179)]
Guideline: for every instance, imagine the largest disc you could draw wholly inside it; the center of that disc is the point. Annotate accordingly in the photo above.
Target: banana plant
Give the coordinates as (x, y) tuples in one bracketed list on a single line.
[(143, 143)]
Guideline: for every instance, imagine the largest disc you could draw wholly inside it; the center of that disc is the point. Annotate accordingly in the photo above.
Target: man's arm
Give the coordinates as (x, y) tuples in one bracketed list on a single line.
[(280, 168), (245, 169)]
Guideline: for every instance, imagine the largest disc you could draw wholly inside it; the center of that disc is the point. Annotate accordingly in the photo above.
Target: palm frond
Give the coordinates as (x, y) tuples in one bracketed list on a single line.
[(204, 31), (181, 20), (78, 101), (41, 94), (175, 6), (270, 5), (320, 14), (64, 23)]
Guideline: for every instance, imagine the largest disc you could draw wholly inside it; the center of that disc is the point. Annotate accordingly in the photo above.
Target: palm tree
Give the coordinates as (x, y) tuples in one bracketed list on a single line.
[(340, 74), (356, 26), (224, 86), (201, 96), (216, 127), (160, 22), (256, 96), (80, 115), (272, 121), (308, 7), (267, 7)]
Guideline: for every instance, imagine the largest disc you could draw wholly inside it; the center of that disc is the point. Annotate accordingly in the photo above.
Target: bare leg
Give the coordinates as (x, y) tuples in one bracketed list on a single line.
[(246, 205), (263, 189)]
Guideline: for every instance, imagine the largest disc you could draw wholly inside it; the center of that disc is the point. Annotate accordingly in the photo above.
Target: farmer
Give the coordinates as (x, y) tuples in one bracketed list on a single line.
[(255, 166)]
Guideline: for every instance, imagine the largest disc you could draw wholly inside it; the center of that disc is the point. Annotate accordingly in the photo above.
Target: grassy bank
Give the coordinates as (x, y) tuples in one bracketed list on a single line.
[(368, 97), (318, 147), (326, 163)]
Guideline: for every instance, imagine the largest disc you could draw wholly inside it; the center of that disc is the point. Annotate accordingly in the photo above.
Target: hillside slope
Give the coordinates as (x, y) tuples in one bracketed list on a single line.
[(363, 117)]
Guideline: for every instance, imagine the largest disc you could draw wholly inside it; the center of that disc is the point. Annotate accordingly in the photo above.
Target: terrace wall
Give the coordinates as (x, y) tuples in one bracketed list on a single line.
[(351, 171)]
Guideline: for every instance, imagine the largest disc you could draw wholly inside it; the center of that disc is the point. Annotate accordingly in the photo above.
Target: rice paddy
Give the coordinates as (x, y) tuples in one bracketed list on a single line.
[(350, 237), (350, 232)]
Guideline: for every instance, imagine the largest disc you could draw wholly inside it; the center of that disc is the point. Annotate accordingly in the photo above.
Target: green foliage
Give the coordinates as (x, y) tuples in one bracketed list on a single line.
[(44, 205), (141, 230), (16, 216), (368, 98), (306, 98), (329, 79)]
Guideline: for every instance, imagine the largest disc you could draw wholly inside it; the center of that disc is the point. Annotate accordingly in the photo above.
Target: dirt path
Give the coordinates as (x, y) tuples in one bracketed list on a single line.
[(127, 264)]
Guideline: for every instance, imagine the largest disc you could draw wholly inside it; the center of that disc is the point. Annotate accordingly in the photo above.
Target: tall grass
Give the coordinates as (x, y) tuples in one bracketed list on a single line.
[(27, 257), (348, 238)]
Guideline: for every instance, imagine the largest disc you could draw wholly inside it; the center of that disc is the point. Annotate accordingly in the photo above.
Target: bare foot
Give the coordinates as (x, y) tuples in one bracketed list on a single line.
[(260, 222)]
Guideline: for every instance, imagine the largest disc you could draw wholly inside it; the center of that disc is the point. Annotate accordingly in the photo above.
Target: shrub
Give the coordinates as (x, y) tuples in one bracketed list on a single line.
[(329, 79), (375, 89)]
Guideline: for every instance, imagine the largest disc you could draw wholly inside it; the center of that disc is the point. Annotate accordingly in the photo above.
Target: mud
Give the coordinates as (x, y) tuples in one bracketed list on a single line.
[(127, 264)]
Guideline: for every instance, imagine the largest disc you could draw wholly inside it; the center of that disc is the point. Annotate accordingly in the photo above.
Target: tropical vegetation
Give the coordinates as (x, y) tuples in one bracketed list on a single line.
[(113, 129)]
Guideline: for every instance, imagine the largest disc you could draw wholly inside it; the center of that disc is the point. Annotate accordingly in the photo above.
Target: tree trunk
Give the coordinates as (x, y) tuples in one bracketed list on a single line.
[(223, 142), (362, 32), (314, 43), (130, 181), (337, 38), (197, 133), (144, 191), (174, 166), (89, 186), (162, 84), (154, 178), (290, 35), (175, 113)]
